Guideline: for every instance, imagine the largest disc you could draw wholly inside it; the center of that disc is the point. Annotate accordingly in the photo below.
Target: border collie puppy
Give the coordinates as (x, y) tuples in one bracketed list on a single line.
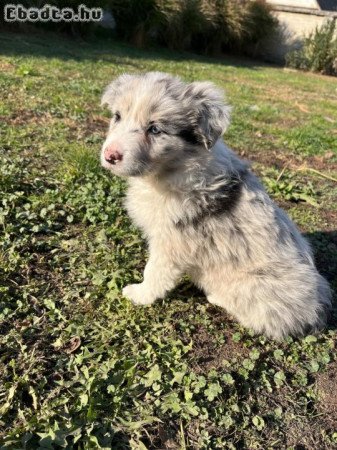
[(203, 212)]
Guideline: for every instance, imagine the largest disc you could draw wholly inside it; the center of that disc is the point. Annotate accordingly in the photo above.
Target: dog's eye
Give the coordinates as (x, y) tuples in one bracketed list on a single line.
[(153, 129), (116, 117)]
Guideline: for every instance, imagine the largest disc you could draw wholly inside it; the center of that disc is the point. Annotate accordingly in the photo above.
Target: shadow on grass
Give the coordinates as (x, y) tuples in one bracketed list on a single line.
[(324, 244), (52, 45)]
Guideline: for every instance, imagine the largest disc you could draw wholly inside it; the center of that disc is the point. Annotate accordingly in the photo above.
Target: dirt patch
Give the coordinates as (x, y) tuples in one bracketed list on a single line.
[(326, 386), (207, 353), (88, 127), (95, 124), (330, 218), (26, 116), (304, 427), (322, 162), (281, 160), (6, 66), (306, 433)]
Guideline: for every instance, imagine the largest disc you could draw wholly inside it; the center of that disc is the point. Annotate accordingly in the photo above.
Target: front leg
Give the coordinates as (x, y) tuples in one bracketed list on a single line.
[(160, 276)]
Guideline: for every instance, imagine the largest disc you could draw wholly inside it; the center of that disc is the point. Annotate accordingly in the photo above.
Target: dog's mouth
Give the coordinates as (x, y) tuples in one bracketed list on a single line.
[(114, 162)]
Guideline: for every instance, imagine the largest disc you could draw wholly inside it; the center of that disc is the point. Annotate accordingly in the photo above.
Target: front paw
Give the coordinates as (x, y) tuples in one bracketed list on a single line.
[(137, 294)]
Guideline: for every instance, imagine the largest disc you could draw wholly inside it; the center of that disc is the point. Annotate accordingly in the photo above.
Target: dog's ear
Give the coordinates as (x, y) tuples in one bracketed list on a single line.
[(213, 114), (112, 91)]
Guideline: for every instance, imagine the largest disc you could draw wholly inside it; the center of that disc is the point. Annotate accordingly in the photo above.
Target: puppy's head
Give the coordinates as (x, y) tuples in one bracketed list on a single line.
[(158, 120)]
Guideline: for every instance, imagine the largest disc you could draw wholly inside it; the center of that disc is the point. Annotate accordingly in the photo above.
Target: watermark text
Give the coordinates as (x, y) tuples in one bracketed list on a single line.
[(50, 13)]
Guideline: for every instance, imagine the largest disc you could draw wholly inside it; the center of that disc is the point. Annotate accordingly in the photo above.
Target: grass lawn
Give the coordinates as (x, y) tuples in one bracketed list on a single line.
[(80, 366)]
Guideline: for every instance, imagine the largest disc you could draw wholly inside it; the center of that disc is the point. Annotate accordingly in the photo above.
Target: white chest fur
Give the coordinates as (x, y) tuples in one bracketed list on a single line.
[(153, 210)]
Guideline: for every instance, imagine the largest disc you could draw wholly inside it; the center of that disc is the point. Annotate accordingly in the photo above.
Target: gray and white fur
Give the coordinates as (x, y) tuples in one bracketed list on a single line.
[(203, 212)]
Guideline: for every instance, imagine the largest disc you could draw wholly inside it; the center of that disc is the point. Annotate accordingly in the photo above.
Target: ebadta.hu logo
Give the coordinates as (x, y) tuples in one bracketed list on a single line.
[(50, 13)]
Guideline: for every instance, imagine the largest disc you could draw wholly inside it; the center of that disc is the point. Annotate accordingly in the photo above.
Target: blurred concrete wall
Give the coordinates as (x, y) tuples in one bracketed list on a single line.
[(295, 24)]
